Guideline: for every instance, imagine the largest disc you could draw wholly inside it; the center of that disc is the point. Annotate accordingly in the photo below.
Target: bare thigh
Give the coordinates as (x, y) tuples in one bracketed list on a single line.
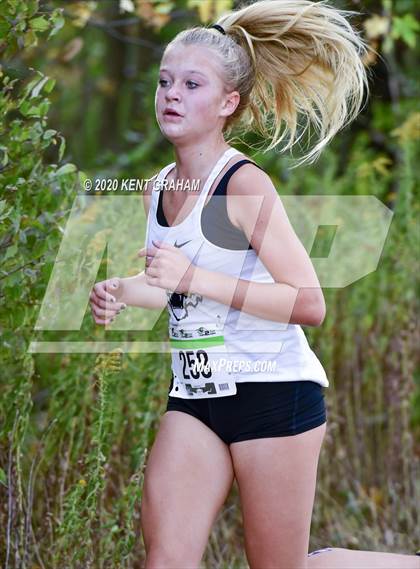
[(276, 478), (188, 476)]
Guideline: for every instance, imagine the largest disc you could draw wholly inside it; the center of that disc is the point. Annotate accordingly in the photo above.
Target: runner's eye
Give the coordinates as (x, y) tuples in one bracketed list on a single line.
[(191, 84)]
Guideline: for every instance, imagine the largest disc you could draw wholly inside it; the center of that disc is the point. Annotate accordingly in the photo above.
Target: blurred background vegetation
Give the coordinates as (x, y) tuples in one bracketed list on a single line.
[(77, 101)]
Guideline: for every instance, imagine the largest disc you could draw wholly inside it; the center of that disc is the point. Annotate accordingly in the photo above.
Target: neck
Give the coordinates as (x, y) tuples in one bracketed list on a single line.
[(195, 161)]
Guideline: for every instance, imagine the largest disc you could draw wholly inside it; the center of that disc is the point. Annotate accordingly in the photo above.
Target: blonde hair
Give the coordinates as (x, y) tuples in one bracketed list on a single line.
[(289, 60)]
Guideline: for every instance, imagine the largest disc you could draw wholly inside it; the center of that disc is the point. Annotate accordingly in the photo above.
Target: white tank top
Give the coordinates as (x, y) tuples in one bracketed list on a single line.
[(240, 347)]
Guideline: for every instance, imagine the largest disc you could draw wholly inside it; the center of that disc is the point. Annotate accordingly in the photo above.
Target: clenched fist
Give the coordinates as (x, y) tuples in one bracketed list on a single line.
[(104, 300)]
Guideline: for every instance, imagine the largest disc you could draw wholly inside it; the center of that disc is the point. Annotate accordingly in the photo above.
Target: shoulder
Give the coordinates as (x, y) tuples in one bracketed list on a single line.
[(253, 184), (250, 179)]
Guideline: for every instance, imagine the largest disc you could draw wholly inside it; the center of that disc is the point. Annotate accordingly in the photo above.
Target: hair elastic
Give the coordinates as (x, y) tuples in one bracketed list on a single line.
[(219, 28)]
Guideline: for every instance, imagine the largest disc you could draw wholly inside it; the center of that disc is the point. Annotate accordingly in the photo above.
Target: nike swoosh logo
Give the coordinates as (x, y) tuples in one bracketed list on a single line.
[(181, 244)]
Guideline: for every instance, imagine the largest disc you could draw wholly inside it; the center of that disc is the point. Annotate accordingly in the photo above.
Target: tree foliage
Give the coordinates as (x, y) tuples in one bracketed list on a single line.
[(77, 101)]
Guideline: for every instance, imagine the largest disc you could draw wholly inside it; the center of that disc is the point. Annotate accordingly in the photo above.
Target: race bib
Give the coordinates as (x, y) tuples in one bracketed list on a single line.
[(199, 359)]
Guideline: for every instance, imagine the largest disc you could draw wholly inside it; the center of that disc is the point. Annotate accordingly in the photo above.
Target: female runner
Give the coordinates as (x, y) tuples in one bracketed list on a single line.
[(246, 397)]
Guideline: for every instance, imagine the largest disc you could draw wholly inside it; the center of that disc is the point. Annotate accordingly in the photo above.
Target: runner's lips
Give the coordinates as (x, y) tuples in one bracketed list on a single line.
[(171, 112)]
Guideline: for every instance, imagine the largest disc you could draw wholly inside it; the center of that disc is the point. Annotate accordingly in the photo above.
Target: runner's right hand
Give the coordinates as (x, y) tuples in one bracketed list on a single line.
[(104, 300)]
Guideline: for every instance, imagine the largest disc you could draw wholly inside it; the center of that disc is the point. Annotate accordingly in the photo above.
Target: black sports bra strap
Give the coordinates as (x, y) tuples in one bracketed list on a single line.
[(222, 185)]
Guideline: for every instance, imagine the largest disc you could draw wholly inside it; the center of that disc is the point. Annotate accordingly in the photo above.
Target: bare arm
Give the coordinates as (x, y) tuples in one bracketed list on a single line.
[(296, 295), (271, 301), (134, 291), (111, 296)]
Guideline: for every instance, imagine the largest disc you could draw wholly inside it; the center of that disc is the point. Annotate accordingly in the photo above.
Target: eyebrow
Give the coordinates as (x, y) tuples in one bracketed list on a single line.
[(188, 71)]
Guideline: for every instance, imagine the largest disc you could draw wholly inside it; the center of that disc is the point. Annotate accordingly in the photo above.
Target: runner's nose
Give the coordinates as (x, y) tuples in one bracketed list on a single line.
[(172, 94)]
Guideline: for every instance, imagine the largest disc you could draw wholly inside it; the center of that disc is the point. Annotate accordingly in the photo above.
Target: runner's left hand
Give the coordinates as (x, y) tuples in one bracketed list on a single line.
[(167, 267)]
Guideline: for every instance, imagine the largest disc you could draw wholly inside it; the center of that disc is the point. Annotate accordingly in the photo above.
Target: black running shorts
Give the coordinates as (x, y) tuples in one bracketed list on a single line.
[(259, 410)]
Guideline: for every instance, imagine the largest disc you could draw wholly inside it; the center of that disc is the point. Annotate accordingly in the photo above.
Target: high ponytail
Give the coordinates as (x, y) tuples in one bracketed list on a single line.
[(295, 63)]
